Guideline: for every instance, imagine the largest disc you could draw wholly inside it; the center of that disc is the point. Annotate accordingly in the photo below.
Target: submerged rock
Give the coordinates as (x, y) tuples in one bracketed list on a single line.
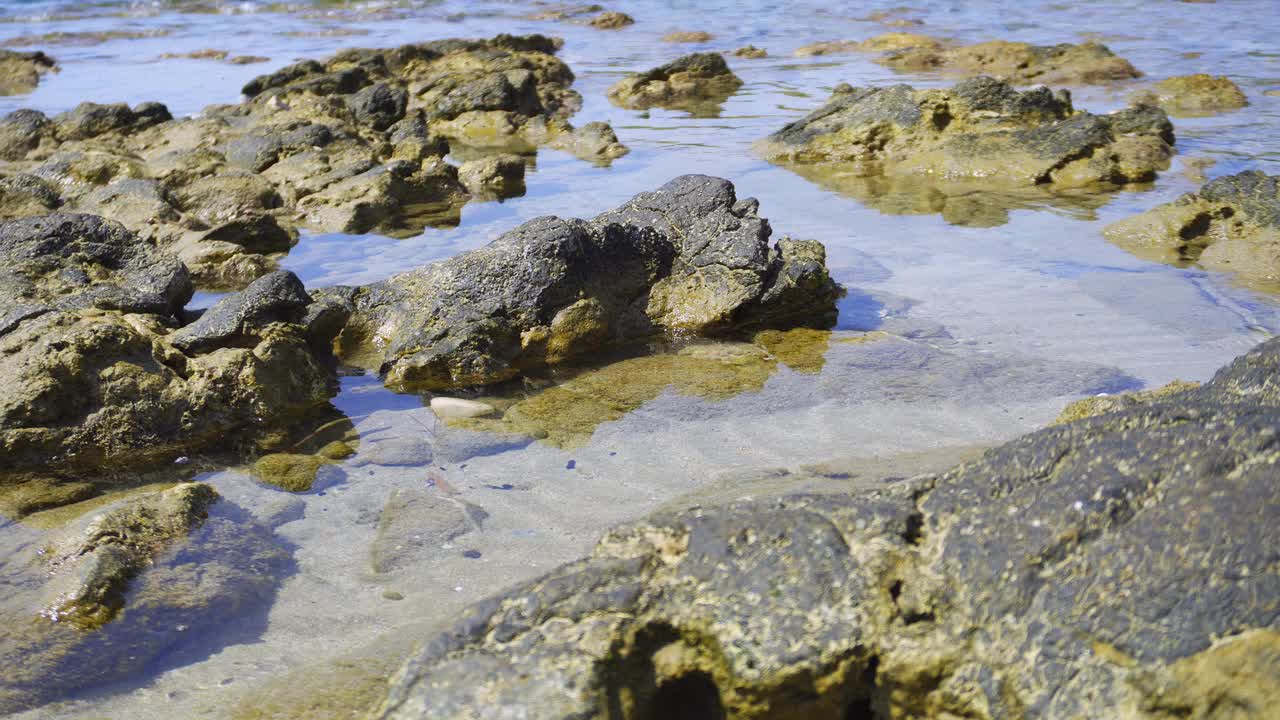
[(688, 258), (1018, 63), (1231, 224), (1194, 95), (697, 83), (354, 144), (99, 372), (20, 72), (1122, 561), (907, 150), (611, 20), (682, 36), (127, 583)]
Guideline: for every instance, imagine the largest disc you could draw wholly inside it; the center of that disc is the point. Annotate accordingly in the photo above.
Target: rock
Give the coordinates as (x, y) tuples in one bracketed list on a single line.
[(1103, 404), (751, 52), (565, 12), (206, 54), (696, 36), (1122, 561), (99, 375), (415, 523), (1231, 224), (183, 579), (494, 176), (688, 258), (447, 407), (20, 72), (879, 43), (1017, 63), (906, 150), (1194, 95), (611, 20), (353, 144), (94, 560), (697, 82)]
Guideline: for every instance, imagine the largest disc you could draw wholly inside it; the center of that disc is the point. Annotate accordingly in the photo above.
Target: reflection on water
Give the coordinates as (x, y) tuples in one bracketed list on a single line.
[(967, 203), (565, 407)]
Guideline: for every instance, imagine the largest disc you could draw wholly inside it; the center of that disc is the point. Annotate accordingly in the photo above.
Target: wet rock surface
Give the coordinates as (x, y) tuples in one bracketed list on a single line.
[(101, 371), (20, 72), (970, 152), (1231, 224), (1194, 95), (698, 83), (125, 584), (1121, 561), (1018, 63), (688, 258), (353, 144)]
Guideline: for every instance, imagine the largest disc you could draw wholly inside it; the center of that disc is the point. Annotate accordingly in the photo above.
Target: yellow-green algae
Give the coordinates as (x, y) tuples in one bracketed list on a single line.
[(1102, 404), (566, 412)]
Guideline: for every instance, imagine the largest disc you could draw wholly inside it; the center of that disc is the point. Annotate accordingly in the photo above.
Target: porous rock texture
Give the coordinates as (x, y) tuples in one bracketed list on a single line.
[(697, 83), (910, 150), (354, 144), (1231, 224), (1124, 565), (688, 258), (101, 368)]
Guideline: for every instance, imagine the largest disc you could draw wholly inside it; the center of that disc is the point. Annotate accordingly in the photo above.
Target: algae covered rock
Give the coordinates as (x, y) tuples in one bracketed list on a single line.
[(354, 144), (697, 83), (127, 583), (1122, 561), (1194, 95), (904, 150), (1102, 404), (611, 20), (688, 258), (1231, 224), (1018, 63), (20, 72), (99, 371)]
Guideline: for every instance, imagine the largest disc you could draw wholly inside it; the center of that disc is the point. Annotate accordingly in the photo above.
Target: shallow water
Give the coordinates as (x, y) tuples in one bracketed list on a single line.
[(951, 336)]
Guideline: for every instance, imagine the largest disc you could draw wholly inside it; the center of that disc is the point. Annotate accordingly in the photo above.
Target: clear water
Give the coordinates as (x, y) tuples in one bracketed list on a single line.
[(993, 329)]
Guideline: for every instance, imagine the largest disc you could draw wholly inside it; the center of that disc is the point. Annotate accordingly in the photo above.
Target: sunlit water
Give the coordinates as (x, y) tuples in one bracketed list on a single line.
[(992, 330)]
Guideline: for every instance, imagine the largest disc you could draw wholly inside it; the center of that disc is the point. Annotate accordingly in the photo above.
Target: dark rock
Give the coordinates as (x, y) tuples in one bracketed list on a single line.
[(686, 258), (1113, 562), (698, 82), (276, 297)]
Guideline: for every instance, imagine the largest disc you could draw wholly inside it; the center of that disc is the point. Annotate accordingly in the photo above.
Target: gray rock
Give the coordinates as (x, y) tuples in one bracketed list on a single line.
[(276, 297), (415, 523), (1125, 560), (688, 257)]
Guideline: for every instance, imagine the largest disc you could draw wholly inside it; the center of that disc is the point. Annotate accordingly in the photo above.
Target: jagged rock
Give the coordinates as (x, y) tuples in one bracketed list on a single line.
[(20, 71), (1018, 63), (1122, 561), (910, 151), (697, 83), (1231, 224), (689, 257), (125, 584), (494, 176), (611, 20), (1194, 95), (98, 373), (751, 52), (353, 144)]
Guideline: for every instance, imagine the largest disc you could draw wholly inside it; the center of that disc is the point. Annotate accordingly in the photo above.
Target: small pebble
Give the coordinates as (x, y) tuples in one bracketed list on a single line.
[(447, 407), (471, 554), (392, 595), (571, 465)]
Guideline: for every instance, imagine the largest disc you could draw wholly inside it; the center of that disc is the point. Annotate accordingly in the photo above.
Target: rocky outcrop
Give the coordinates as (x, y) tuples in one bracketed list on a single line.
[(124, 584), (611, 20), (20, 72), (100, 371), (1194, 95), (1231, 224), (688, 258), (354, 144), (1122, 565), (697, 83), (1018, 63), (907, 150)]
